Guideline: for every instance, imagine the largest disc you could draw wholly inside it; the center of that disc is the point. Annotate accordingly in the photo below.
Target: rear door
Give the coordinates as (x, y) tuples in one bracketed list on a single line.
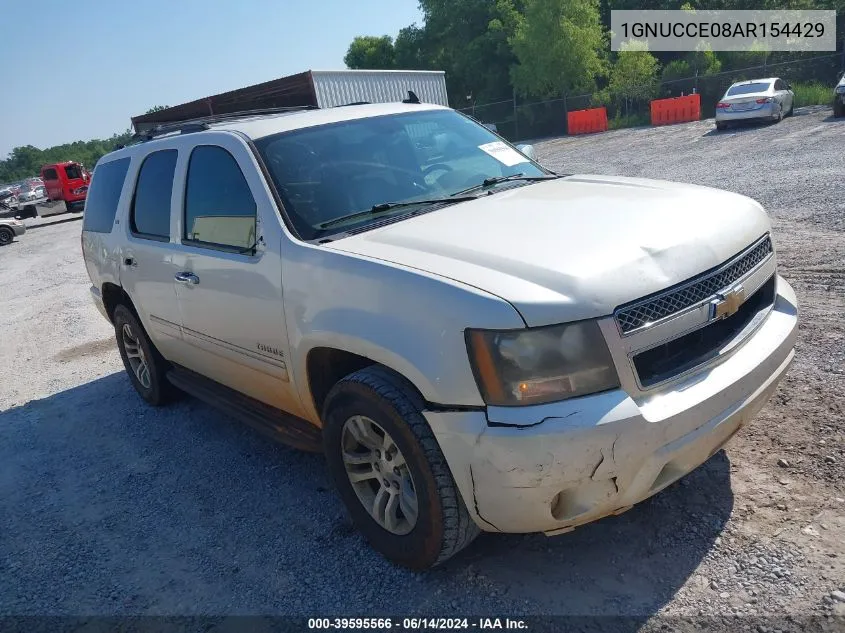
[(147, 268), (229, 272)]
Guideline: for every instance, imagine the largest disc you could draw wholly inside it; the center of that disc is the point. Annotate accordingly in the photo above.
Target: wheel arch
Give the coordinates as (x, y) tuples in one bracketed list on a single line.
[(114, 295), (325, 366)]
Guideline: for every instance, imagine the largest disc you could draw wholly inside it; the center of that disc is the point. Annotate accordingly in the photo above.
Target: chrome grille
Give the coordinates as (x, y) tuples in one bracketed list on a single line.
[(637, 315)]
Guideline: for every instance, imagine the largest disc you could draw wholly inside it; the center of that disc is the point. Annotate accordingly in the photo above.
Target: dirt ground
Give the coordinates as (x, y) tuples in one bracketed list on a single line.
[(110, 507)]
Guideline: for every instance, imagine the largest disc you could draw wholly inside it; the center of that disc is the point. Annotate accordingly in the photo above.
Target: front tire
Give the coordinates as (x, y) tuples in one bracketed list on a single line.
[(6, 235), (147, 368), (838, 109), (721, 126), (389, 470)]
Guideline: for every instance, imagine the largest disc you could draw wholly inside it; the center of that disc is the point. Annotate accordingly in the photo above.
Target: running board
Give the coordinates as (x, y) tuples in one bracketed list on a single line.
[(275, 423)]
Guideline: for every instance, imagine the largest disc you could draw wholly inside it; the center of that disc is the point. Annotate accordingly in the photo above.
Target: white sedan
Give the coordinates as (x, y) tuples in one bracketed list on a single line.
[(839, 98), (762, 99)]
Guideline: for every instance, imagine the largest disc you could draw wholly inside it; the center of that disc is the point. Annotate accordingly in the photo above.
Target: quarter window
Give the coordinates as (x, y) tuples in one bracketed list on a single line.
[(104, 195), (51, 174), (219, 208), (150, 215)]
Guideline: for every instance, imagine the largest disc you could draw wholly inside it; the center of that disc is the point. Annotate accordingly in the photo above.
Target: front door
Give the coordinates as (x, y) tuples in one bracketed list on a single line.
[(229, 272)]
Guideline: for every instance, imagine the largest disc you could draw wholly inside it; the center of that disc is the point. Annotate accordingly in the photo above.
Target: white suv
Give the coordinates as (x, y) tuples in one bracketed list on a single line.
[(474, 342)]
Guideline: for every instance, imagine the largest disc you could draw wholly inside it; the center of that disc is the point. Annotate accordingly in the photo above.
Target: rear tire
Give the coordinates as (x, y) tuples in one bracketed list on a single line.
[(6, 235), (68, 207), (721, 126), (435, 525), (146, 367)]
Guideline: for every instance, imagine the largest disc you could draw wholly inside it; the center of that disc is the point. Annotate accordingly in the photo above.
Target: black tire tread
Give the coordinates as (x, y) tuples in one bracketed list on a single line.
[(6, 231), (167, 392), (459, 529)]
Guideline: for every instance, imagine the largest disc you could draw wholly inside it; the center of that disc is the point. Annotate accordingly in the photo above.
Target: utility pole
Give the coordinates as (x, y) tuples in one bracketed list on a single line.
[(515, 118)]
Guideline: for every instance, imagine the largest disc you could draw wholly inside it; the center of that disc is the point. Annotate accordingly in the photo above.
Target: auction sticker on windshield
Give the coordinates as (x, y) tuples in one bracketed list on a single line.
[(502, 153)]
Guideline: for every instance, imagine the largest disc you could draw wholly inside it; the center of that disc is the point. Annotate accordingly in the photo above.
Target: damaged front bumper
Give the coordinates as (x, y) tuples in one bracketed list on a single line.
[(580, 460)]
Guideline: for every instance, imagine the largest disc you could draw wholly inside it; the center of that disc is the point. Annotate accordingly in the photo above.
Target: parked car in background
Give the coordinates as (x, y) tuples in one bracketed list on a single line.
[(474, 342), (10, 229), (839, 98), (761, 99), (66, 181), (26, 195)]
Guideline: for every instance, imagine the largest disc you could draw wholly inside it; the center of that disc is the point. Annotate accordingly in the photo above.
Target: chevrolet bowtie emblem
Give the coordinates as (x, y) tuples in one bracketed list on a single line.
[(727, 303)]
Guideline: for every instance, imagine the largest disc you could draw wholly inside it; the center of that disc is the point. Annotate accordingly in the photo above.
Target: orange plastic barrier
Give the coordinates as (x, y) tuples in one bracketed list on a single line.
[(676, 110), (586, 121)]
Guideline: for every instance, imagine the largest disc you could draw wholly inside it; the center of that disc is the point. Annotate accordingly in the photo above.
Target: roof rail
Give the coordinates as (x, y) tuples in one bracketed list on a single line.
[(203, 123)]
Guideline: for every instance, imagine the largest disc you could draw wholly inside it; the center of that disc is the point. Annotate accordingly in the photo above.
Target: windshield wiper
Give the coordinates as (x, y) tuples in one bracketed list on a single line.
[(495, 180), (389, 206)]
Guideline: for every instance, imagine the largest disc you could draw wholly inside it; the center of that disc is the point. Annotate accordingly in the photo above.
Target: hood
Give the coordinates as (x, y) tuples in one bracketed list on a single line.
[(573, 248)]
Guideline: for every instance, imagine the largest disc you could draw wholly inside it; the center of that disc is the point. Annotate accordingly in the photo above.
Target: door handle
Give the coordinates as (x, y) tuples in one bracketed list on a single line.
[(187, 278)]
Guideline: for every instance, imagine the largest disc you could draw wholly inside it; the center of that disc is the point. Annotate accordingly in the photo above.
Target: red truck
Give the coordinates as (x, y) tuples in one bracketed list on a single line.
[(66, 181)]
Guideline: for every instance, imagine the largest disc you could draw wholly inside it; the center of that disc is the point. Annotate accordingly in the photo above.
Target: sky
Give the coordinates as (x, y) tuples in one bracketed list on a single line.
[(79, 70)]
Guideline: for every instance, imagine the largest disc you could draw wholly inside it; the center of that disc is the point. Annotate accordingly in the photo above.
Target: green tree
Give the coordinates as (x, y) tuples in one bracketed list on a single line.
[(371, 52), (634, 75), (412, 49), (157, 108), (470, 40), (26, 161), (559, 47)]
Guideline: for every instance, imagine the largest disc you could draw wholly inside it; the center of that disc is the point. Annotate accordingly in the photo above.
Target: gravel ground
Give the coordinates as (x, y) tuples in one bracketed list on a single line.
[(110, 507)]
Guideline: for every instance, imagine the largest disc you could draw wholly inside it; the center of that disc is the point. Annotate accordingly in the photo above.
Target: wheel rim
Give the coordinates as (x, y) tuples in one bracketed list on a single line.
[(379, 474), (135, 356)]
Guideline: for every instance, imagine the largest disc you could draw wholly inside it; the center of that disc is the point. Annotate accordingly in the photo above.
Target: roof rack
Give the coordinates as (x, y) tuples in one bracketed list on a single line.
[(204, 123)]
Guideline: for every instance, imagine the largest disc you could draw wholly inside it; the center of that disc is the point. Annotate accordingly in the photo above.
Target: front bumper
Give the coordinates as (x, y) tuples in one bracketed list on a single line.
[(764, 111), (590, 457), (19, 230)]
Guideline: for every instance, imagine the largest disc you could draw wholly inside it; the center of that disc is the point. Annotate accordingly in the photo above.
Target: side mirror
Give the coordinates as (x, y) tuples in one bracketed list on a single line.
[(528, 150)]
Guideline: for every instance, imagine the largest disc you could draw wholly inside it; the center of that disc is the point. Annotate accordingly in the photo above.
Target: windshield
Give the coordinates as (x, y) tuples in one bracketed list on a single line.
[(746, 89), (325, 172), (73, 171)]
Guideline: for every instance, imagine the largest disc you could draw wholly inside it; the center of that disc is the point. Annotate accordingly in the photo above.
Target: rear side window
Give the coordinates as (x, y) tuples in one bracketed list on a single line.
[(103, 196), (73, 171), (51, 174), (219, 208), (150, 216)]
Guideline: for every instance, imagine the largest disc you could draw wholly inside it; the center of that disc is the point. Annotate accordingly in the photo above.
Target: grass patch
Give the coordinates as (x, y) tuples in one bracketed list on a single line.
[(632, 120), (807, 94)]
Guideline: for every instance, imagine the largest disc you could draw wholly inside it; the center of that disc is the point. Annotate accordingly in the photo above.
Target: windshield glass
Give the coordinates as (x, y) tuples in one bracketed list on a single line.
[(746, 89), (325, 172)]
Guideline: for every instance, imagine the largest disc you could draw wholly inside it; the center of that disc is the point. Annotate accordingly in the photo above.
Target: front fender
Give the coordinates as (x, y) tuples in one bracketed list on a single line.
[(410, 321)]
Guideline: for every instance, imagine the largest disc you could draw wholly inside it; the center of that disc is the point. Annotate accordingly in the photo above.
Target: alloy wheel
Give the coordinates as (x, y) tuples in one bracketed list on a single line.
[(379, 474), (136, 357)]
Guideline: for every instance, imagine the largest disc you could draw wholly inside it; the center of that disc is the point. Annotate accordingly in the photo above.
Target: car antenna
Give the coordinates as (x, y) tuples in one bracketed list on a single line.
[(412, 97)]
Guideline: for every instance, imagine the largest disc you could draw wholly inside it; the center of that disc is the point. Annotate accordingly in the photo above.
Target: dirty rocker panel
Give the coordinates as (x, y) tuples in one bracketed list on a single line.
[(275, 423)]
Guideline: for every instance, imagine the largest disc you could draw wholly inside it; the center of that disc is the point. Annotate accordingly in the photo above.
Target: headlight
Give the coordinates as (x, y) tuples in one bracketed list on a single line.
[(840, 89), (533, 366)]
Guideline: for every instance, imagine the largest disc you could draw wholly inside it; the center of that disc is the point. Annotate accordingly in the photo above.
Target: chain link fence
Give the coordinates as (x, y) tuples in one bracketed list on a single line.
[(517, 120)]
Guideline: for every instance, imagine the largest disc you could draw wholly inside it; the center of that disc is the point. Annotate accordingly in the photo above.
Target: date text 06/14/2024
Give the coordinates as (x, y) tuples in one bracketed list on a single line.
[(417, 624)]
